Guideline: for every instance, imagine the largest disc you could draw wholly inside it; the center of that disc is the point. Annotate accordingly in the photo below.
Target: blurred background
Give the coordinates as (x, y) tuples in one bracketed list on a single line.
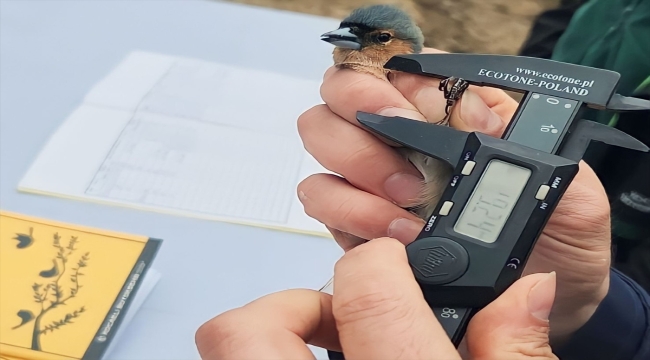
[(483, 26)]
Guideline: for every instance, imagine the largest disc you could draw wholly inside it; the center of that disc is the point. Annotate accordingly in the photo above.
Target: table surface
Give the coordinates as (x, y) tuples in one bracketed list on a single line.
[(52, 52)]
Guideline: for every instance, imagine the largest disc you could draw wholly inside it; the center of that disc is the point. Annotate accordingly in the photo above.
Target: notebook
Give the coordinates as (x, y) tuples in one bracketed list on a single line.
[(187, 137)]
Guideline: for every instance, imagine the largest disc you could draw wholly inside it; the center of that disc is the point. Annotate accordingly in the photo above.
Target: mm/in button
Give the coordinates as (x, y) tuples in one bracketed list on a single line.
[(542, 192)]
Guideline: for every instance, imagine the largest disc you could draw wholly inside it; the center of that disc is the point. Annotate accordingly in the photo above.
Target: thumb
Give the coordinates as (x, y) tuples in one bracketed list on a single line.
[(515, 326), (473, 112)]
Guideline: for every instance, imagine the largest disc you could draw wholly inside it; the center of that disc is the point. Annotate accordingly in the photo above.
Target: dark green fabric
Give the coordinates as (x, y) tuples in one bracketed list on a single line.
[(613, 35)]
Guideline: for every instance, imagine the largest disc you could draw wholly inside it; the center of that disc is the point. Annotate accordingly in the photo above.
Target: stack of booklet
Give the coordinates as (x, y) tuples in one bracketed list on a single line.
[(67, 291)]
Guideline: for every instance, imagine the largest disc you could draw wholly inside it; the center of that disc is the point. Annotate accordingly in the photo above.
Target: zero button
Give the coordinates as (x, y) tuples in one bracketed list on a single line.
[(445, 208)]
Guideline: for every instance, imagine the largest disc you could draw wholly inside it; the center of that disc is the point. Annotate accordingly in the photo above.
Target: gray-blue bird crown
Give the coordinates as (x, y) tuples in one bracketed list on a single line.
[(388, 17)]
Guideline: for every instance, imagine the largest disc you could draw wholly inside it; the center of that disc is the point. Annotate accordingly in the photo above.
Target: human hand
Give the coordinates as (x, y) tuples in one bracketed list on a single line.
[(367, 200), (378, 312)]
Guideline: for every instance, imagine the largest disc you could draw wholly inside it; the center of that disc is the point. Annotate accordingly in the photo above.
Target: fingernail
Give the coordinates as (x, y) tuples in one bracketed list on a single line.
[(392, 111), (302, 196), (541, 297), (477, 115), (404, 230), (403, 188)]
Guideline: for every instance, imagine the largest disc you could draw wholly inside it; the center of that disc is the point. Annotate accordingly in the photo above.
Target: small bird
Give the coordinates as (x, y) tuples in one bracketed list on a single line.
[(364, 42), (24, 240), (371, 35)]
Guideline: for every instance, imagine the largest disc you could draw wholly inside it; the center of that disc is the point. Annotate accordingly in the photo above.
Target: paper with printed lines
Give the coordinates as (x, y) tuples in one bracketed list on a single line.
[(186, 137)]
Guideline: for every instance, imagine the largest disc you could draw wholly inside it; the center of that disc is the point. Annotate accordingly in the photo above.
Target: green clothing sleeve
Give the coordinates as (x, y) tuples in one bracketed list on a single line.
[(613, 35)]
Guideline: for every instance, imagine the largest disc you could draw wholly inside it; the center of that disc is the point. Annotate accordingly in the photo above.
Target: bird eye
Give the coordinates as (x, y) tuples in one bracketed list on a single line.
[(383, 37)]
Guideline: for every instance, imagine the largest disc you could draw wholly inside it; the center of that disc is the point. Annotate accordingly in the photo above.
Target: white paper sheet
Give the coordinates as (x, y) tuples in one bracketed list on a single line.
[(151, 278), (186, 137)]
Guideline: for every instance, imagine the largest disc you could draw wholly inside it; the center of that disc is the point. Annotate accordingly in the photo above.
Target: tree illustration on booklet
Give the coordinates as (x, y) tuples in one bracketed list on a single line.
[(54, 290)]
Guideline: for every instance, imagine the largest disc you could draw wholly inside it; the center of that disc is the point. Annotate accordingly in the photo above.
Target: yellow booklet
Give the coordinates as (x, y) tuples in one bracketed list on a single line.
[(64, 289)]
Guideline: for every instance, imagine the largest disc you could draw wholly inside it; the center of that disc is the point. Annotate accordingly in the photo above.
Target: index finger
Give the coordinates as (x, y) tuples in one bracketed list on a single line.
[(346, 91), (278, 326)]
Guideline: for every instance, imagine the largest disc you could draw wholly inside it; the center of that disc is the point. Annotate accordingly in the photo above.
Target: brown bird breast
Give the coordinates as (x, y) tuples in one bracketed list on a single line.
[(371, 59)]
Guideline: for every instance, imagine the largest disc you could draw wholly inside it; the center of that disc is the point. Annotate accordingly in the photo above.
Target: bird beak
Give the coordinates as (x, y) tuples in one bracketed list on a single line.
[(342, 37)]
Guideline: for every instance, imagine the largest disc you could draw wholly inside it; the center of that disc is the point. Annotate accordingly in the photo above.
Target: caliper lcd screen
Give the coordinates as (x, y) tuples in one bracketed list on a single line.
[(492, 201)]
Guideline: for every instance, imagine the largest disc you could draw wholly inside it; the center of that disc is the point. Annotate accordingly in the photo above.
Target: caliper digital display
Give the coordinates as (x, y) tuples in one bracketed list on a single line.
[(492, 201)]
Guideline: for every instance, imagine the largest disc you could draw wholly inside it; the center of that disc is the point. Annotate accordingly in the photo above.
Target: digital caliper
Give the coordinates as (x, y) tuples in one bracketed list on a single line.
[(502, 192)]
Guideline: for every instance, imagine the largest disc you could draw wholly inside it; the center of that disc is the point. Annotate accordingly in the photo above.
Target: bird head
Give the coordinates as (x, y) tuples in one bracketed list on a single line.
[(377, 28)]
